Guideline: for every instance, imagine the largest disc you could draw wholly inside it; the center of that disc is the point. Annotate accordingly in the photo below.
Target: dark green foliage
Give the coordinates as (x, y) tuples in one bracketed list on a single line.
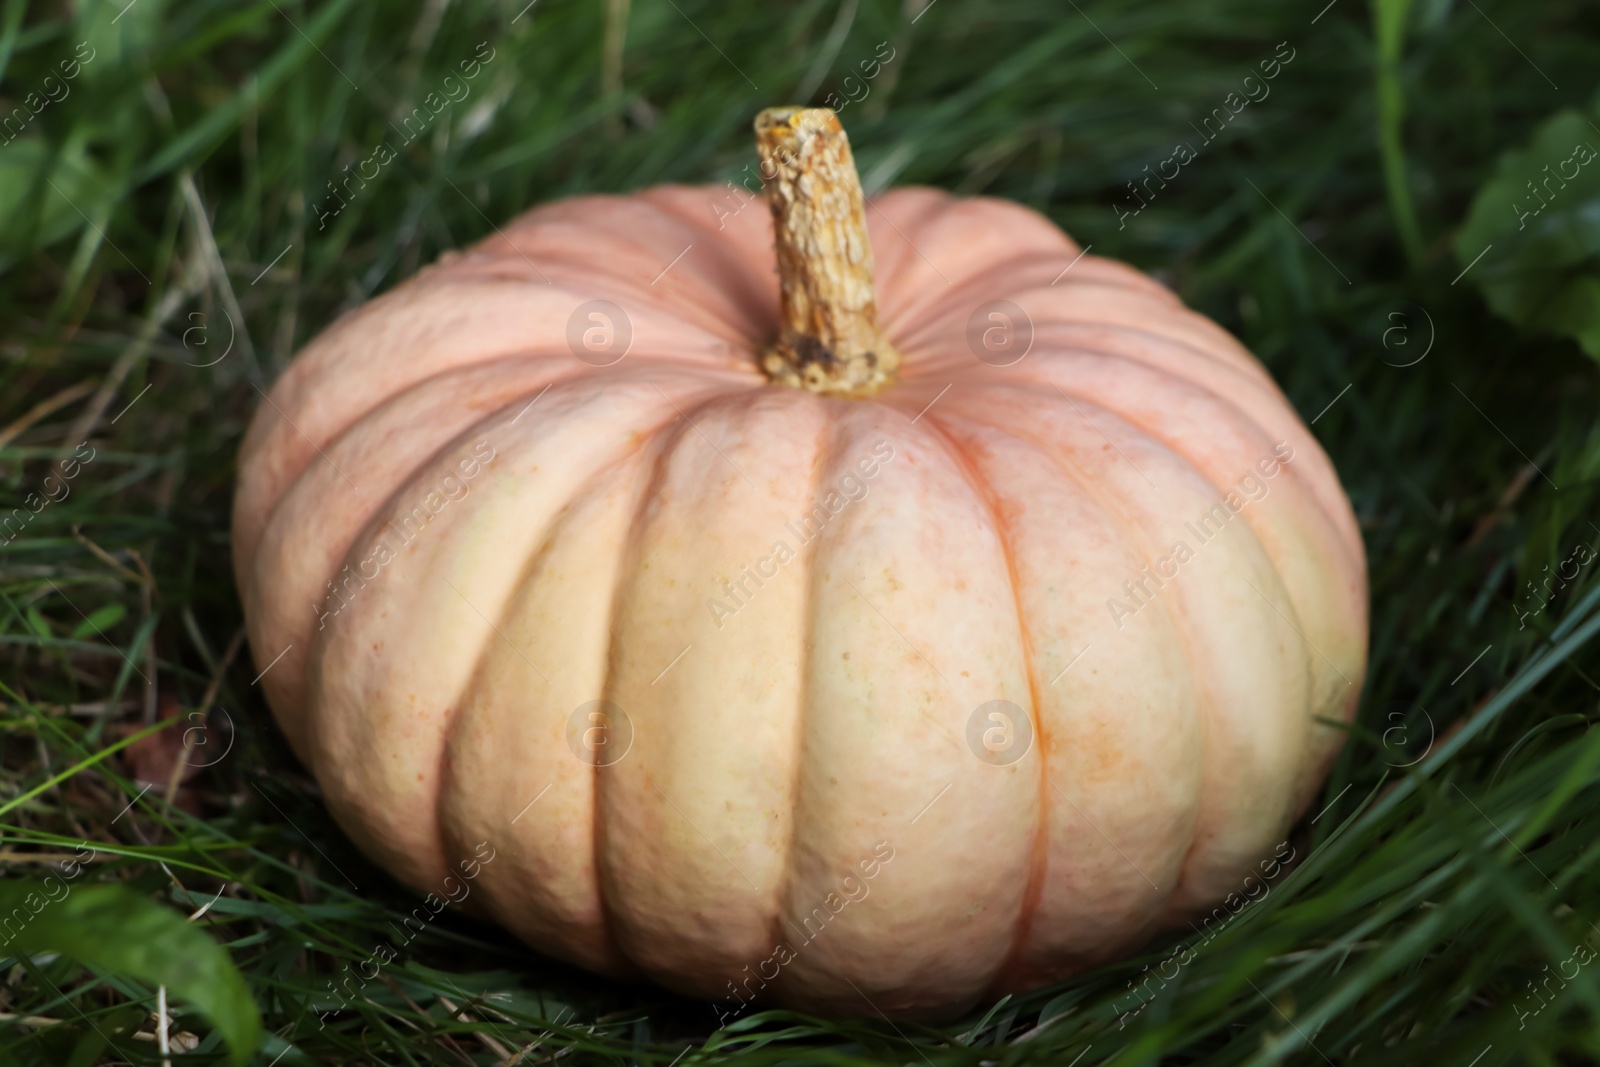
[(1542, 208), (168, 242), (113, 928)]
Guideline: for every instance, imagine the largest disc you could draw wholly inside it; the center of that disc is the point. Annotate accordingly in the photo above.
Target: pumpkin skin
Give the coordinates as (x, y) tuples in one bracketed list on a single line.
[(781, 749)]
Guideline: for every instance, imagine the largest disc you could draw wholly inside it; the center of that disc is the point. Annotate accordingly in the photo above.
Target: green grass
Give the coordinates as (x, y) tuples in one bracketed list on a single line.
[(167, 207)]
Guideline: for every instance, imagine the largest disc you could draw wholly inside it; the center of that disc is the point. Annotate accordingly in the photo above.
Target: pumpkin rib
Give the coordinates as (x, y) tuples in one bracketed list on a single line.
[(904, 732), (1313, 488), (394, 400), (584, 282), (471, 270), (595, 485), (1094, 297), (1064, 355), (567, 272), (920, 314), (632, 453), (556, 352), (1308, 753), (900, 260), (961, 241), (1185, 353), (390, 403), (538, 551), (359, 422), (534, 437), (396, 407), (1039, 843), (1132, 530), (905, 208), (1104, 500), (1087, 269), (1306, 651), (1239, 362), (760, 289), (765, 431), (821, 460), (1319, 491), (1295, 616), (1245, 366), (1252, 516), (655, 236), (1054, 350), (941, 316), (1310, 486), (663, 440), (326, 369), (1034, 439), (444, 777), (982, 380)]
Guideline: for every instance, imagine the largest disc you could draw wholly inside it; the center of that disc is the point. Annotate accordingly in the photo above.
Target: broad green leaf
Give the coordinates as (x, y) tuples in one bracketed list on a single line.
[(1538, 217), (112, 928), (99, 621)]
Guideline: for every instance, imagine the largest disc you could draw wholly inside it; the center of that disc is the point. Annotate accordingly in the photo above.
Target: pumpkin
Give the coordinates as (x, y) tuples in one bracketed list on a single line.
[(863, 607)]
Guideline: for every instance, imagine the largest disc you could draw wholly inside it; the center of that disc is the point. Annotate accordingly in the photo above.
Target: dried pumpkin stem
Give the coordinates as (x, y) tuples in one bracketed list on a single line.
[(828, 337)]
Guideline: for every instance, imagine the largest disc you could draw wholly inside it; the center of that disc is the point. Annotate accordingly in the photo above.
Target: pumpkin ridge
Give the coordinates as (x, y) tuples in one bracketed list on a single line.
[(827, 448), (1307, 756), (1052, 350), (933, 316), (1049, 280), (1185, 352), (1236, 360), (444, 776), (1311, 487), (1132, 532), (1310, 653), (663, 439), (1265, 436), (320, 371), (450, 842), (617, 217), (1038, 845), (924, 202), (642, 490), (383, 504), (1241, 363), (387, 404), (452, 701), (583, 281), (597, 947), (909, 299), (757, 293), (1207, 685)]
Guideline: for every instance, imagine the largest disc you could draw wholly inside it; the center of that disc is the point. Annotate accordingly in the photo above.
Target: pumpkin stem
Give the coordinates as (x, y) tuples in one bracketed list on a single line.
[(828, 337)]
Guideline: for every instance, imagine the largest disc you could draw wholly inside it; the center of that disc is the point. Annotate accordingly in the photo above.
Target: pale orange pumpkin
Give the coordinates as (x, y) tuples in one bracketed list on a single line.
[(990, 650)]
